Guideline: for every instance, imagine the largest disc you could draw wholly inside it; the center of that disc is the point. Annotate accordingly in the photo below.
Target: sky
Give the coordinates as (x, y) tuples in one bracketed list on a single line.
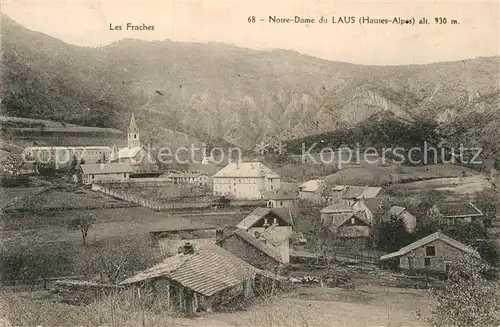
[(87, 23)]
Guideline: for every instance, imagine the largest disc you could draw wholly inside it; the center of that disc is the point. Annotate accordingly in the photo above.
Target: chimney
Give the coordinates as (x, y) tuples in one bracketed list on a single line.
[(188, 248), (219, 235)]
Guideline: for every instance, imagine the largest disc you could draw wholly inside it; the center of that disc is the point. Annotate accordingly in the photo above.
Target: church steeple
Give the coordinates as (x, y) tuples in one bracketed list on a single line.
[(133, 134)]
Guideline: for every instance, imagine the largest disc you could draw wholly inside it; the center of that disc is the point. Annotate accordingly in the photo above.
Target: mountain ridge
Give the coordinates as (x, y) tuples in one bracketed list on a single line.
[(212, 91)]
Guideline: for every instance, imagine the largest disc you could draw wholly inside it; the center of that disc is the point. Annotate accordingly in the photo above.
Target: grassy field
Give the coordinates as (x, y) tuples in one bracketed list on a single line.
[(304, 306)]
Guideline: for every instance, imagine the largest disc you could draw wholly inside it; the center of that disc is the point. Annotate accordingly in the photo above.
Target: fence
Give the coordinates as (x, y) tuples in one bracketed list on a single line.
[(152, 204), (159, 206)]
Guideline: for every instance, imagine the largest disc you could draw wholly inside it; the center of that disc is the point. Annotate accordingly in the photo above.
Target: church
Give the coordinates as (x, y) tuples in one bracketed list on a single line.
[(134, 154)]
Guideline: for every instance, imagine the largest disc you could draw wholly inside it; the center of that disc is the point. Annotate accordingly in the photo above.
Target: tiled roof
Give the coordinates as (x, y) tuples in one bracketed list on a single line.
[(311, 186), (353, 192), (365, 192), (127, 152), (375, 204), (259, 213), (258, 244), (208, 271), (276, 235), (246, 169), (278, 195), (108, 168), (428, 239), (337, 208), (458, 209)]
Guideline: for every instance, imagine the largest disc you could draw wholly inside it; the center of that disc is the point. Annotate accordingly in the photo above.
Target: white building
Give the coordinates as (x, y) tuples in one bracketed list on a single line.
[(245, 180), (63, 155), (105, 173)]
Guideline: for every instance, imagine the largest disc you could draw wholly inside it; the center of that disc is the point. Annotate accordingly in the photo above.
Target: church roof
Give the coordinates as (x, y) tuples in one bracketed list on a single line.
[(124, 153)]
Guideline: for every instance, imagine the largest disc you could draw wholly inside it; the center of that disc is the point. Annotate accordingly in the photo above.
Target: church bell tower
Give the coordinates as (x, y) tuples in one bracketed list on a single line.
[(133, 134)]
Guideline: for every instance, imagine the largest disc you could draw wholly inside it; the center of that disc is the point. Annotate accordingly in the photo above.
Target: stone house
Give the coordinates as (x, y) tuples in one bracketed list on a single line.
[(274, 226), (435, 252), (252, 250)]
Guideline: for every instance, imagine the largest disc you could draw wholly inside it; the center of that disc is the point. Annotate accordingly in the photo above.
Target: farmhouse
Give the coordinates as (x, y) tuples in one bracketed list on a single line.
[(272, 226), (203, 279), (245, 180), (312, 190), (249, 248), (346, 223), (105, 173), (279, 199), (171, 233), (436, 252), (134, 154), (407, 217)]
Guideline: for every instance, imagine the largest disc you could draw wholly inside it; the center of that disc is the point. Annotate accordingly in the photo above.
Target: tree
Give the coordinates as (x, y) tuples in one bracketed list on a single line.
[(82, 224), (12, 165), (468, 299), (488, 202), (117, 258), (325, 190), (390, 234)]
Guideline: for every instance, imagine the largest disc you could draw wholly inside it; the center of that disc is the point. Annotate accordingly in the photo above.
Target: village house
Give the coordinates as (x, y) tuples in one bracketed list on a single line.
[(454, 211), (352, 194), (245, 180), (172, 232), (313, 191), (346, 224), (134, 154), (281, 223), (255, 252), (105, 173), (401, 212), (190, 178), (205, 279), (436, 252), (373, 208), (280, 199)]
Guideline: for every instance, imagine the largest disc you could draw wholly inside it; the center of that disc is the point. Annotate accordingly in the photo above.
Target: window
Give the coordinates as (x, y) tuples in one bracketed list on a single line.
[(281, 203), (353, 221), (430, 251), (135, 136), (427, 262), (447, 267)]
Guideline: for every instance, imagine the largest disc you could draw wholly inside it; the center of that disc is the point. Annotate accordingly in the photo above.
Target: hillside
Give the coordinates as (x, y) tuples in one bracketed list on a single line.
[(216, 91)]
